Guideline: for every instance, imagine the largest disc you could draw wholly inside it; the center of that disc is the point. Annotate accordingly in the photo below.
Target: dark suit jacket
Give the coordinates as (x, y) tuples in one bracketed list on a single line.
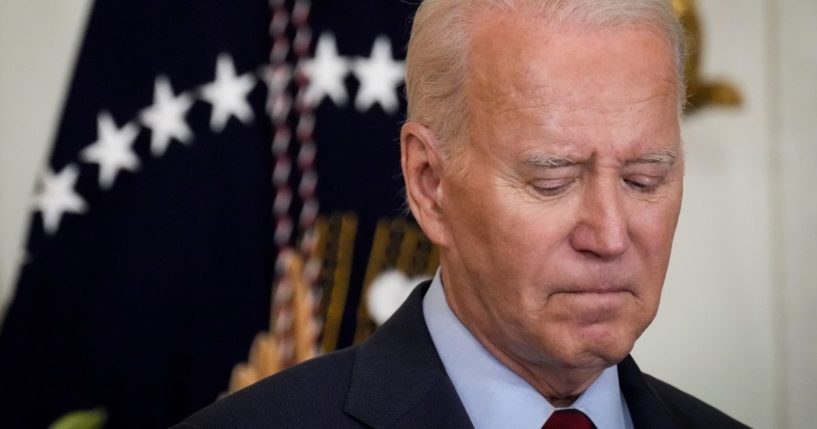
[(396, 379)]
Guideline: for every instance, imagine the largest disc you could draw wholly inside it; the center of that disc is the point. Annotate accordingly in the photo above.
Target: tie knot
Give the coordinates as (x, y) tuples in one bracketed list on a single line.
[(568, 419)]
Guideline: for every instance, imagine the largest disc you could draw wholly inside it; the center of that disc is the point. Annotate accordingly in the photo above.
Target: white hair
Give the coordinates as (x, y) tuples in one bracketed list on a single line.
[(436, 64)]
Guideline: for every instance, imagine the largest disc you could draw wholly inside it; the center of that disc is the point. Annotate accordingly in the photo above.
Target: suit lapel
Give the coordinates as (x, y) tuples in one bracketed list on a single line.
[(647, 409), (398, 379)]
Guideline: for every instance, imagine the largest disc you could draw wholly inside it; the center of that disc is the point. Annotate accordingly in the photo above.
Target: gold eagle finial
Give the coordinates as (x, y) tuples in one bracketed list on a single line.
[(701, 93)]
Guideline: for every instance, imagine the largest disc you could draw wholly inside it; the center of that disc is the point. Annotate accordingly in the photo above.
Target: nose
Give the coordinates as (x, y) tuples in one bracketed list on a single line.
[(601, 229)]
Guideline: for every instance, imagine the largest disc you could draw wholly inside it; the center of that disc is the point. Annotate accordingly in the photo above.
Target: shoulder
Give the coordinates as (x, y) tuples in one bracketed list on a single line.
[(655, 404), (691, 411), (311, 394), (376, 381)]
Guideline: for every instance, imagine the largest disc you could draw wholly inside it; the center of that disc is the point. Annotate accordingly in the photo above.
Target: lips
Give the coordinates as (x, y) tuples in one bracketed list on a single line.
[(596, 290), (599, 291), (597, 296), (595, 301), (594, 280)]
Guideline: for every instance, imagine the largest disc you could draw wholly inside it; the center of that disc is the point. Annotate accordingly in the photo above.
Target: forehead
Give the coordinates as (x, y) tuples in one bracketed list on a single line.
[(516, 60), (526, 77)]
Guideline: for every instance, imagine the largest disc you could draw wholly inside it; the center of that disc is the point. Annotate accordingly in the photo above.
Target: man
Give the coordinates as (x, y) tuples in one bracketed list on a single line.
[(543, 156)]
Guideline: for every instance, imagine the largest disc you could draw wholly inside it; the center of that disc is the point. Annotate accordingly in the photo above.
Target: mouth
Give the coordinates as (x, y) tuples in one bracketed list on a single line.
[(599, 291), (612, 290), (595, 306), (596, 299), (601, 297)]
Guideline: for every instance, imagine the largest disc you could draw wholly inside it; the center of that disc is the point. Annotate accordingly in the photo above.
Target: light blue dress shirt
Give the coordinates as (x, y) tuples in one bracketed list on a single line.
[(493, 395)]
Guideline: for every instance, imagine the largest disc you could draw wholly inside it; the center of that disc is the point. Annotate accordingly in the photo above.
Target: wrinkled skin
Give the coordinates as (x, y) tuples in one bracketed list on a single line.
[(556, 220)]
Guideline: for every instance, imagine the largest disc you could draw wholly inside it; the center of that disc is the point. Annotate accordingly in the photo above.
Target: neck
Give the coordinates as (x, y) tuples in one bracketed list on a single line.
[(561, 385)]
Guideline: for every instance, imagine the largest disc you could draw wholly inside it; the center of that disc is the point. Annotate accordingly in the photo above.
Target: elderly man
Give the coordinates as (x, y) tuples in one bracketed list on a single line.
[(543, 156)]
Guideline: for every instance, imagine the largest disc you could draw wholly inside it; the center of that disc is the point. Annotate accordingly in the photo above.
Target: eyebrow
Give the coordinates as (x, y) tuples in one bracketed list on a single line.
[(663, 156), (549, 161)]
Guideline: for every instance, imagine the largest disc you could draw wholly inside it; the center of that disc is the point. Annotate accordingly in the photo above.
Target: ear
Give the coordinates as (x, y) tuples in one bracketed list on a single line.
[(422, 164)]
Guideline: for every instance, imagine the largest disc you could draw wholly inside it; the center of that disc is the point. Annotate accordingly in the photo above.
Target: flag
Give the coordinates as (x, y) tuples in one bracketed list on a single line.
[(199, 138), (356, 83), (148, 260)]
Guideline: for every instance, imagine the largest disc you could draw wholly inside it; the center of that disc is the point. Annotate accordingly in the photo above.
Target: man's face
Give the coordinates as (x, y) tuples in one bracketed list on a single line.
[(559, 213)]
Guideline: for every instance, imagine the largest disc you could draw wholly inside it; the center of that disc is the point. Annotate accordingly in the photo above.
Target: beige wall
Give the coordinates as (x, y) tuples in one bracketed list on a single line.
[(38, 40), (715, 332), (743, 283), (737, 326), (795, 132)]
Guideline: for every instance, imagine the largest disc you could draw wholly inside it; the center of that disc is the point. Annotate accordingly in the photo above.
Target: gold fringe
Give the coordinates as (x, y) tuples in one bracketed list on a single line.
[(340, 286)]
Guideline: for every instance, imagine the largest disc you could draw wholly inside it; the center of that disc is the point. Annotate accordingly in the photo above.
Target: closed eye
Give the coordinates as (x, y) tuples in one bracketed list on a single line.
[(552, 187), (644, 184)]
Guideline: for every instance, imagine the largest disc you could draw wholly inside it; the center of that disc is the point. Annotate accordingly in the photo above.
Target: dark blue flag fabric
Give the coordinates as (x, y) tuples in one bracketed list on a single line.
[(199, 138)]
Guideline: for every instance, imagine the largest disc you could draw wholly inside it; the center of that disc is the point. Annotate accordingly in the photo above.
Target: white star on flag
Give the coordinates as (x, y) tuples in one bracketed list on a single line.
[(379, 76), (166, 117), (326, 73), (112, 150), (56, 197), (228, 94)]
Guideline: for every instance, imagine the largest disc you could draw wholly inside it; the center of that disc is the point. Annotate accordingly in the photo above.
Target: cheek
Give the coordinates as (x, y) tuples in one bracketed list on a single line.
[(652, 236), (654, 228), (527, 237)]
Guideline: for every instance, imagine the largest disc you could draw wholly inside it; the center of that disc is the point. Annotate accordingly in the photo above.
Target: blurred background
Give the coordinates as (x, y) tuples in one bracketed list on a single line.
[(737, 325)]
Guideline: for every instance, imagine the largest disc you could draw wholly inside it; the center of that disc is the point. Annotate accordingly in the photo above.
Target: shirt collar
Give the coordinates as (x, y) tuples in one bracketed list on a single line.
[(492, 394)]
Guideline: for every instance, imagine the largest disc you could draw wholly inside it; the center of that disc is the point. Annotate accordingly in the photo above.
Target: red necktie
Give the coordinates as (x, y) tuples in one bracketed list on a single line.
[(568, 419)]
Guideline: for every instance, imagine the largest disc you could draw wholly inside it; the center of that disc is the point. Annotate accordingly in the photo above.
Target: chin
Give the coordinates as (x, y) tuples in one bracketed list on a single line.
[(610, 356), (609, 352), (593, 359), (599, 350), (583, 356)]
